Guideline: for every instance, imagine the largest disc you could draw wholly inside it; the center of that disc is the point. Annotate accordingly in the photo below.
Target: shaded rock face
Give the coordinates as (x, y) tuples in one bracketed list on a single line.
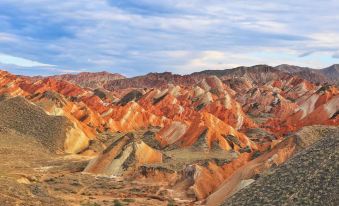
[(332, 73), (105, 95), (312, 75), (131, 96)]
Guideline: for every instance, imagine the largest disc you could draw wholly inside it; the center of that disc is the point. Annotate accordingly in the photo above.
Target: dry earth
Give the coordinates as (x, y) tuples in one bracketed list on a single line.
[(31, 175)]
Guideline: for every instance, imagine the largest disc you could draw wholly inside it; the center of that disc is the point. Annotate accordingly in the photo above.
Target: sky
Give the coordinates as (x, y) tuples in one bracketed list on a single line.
[(134, 37)]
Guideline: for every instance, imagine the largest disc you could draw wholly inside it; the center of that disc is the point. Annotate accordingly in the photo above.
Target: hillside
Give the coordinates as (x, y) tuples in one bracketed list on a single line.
[(332, 73), (54, 132), (309, 178)]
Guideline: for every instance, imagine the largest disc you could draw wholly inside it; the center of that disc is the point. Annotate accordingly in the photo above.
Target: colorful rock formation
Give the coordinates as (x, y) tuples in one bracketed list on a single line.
[(204, 135)]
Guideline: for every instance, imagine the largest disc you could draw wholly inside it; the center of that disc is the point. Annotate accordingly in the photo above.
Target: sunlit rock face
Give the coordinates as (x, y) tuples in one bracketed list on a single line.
[(125, 153), (321, 107)]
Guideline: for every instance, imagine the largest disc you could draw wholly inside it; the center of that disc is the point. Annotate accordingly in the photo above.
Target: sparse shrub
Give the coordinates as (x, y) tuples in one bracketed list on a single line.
[(171, 203), (117, 203), (135, 190), (200, 106), (90, 204), (128, 200)]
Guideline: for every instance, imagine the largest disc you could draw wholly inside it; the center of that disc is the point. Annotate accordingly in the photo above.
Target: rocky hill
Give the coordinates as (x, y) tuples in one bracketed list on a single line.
[(326, 75), (332, 73), (258, 74), (56, 133), (262, 73), (308, 178)]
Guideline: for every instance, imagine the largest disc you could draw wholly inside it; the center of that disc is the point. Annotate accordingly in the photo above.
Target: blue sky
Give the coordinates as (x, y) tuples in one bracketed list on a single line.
[(136, 37)]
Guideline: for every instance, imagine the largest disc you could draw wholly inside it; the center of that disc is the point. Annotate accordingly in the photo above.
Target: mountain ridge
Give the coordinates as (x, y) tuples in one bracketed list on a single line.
[(110, 80)]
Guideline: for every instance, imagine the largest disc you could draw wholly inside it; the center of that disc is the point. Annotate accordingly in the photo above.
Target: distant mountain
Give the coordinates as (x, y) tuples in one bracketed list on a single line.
[(151, 80), (332, 73), (327, 75), (263, 73), (258, 74), (88, 79), (291, 68)]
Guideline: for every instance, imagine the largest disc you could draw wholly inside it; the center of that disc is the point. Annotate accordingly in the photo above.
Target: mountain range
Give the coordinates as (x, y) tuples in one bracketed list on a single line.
[(236, 136), (118, 81)]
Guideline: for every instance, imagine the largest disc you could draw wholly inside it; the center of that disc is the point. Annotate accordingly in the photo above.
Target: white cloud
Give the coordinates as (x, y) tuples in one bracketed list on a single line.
[(325, 39), (22, 62), (5, 37), (216, 60), (67, 71), (266, 25), (219, 60), (193, 35)]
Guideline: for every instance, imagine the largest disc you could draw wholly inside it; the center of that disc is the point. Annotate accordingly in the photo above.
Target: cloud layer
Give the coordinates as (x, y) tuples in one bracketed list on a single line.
[(134, 37)]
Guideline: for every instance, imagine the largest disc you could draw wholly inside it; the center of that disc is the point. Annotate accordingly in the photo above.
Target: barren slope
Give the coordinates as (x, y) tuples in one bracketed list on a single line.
[(55, 132), (309, 178)]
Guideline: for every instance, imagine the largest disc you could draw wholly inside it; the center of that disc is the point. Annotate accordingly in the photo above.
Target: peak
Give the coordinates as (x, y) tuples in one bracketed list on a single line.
[(98, 73), (258, 66), (160, 73), (286, 65), (107, 73), (334, 67), (291, 68), (261, 65)]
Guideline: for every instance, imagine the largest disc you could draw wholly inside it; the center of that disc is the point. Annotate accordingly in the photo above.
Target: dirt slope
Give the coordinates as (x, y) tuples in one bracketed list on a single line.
[(309, 178), (54, 132)]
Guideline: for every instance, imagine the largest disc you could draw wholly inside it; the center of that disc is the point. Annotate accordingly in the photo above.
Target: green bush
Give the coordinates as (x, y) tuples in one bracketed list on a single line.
[(117, 203)]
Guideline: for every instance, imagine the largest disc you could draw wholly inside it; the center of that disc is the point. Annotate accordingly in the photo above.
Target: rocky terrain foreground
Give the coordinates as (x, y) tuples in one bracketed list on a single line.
[(309, 178), (256, 135)]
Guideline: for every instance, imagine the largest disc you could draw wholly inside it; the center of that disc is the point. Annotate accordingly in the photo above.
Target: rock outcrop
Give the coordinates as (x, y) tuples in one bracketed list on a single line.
[(124, 154)]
